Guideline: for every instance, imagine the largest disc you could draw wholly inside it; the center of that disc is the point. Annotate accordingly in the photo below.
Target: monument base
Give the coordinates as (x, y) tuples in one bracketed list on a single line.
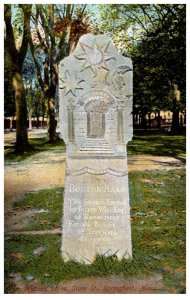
[(96, 216)]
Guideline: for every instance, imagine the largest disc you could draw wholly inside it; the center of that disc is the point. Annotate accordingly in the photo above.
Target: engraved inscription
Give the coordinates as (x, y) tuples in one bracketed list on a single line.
[(99, 218)]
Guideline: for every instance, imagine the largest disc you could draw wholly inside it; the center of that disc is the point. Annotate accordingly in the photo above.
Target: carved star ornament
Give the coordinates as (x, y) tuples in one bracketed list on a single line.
[(70, 83), (95, 57)]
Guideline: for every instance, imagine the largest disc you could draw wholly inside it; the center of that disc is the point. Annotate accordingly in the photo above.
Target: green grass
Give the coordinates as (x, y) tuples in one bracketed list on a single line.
[(158, 144), (38, 145), (50, 200), (149, 143), (158, 236)]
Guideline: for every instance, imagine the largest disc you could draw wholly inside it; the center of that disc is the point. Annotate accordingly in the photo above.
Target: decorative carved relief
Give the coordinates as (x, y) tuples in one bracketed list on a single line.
[(116, 81), (71, 104), (99, 81), (95, 124), (99, 172), (97, 105), (120, 135), (95, 57), (102, 100), (70, 83), (71, 123)]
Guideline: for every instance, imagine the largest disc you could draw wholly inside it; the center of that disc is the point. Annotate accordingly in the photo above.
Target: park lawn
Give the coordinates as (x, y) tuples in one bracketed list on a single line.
[(156, 143), (158, 236), (45, 207), (37, 144), (50, 201), (149, 143)]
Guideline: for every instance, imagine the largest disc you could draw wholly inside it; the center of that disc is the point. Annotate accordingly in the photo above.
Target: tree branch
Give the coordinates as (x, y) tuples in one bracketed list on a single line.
[(26, 8), (64, 10), (82, 12), (9, 39), (139, 21), (72, 10), (159, 13), (46, 69), (38, 32), (68, 11), (134, 18), (51, 21), (44, 25), (37, 65), (146, 14)]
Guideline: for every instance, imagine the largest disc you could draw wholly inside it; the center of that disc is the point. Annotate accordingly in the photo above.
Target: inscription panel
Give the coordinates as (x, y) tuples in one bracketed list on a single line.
[(97, 216)]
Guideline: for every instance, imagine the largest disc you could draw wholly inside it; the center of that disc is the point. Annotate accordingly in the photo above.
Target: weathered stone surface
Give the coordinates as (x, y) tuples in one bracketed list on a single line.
[(95, 96), (97, 213), (96, 124)]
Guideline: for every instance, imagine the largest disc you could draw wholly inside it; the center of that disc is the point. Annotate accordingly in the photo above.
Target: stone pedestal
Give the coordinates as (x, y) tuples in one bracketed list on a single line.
[(96, 209)]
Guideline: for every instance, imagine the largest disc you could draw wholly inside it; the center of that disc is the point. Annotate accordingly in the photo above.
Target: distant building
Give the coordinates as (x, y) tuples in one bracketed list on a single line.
[(163, 117)]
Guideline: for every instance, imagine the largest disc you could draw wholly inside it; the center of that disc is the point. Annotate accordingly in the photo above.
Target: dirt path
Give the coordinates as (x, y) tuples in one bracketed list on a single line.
[(42, 170), (47, 170)]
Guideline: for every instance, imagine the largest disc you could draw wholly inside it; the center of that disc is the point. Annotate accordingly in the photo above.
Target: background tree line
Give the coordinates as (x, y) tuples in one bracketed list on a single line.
[(38, 37)]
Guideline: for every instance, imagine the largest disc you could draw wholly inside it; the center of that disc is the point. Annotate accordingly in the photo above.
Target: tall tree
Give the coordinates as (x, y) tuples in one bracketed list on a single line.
[(15, 54), (154, 36), (160, 64), (57, 30)]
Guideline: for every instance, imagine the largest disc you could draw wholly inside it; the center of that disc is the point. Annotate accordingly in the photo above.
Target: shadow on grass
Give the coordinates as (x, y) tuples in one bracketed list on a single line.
[(37, 144), (160, 144)]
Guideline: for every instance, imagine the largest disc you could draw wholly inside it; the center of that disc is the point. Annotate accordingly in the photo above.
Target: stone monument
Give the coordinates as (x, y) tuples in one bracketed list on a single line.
[(95, 114)]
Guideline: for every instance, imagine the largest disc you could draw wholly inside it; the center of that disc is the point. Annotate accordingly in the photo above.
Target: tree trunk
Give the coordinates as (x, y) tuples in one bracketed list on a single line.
[(175, 119), (51, 121), (149, 120), (21, 114), (11, 123), (37, 120), (30, 119), (159, 119), (143, 121)]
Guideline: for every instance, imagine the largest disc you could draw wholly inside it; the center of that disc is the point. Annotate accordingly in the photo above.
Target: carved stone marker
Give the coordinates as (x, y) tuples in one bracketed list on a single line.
[(95, 84)]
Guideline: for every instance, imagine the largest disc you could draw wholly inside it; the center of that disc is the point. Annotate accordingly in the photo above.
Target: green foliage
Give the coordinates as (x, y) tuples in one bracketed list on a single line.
[(154, 36), (17, 20), (160, 62), (158, 233)]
